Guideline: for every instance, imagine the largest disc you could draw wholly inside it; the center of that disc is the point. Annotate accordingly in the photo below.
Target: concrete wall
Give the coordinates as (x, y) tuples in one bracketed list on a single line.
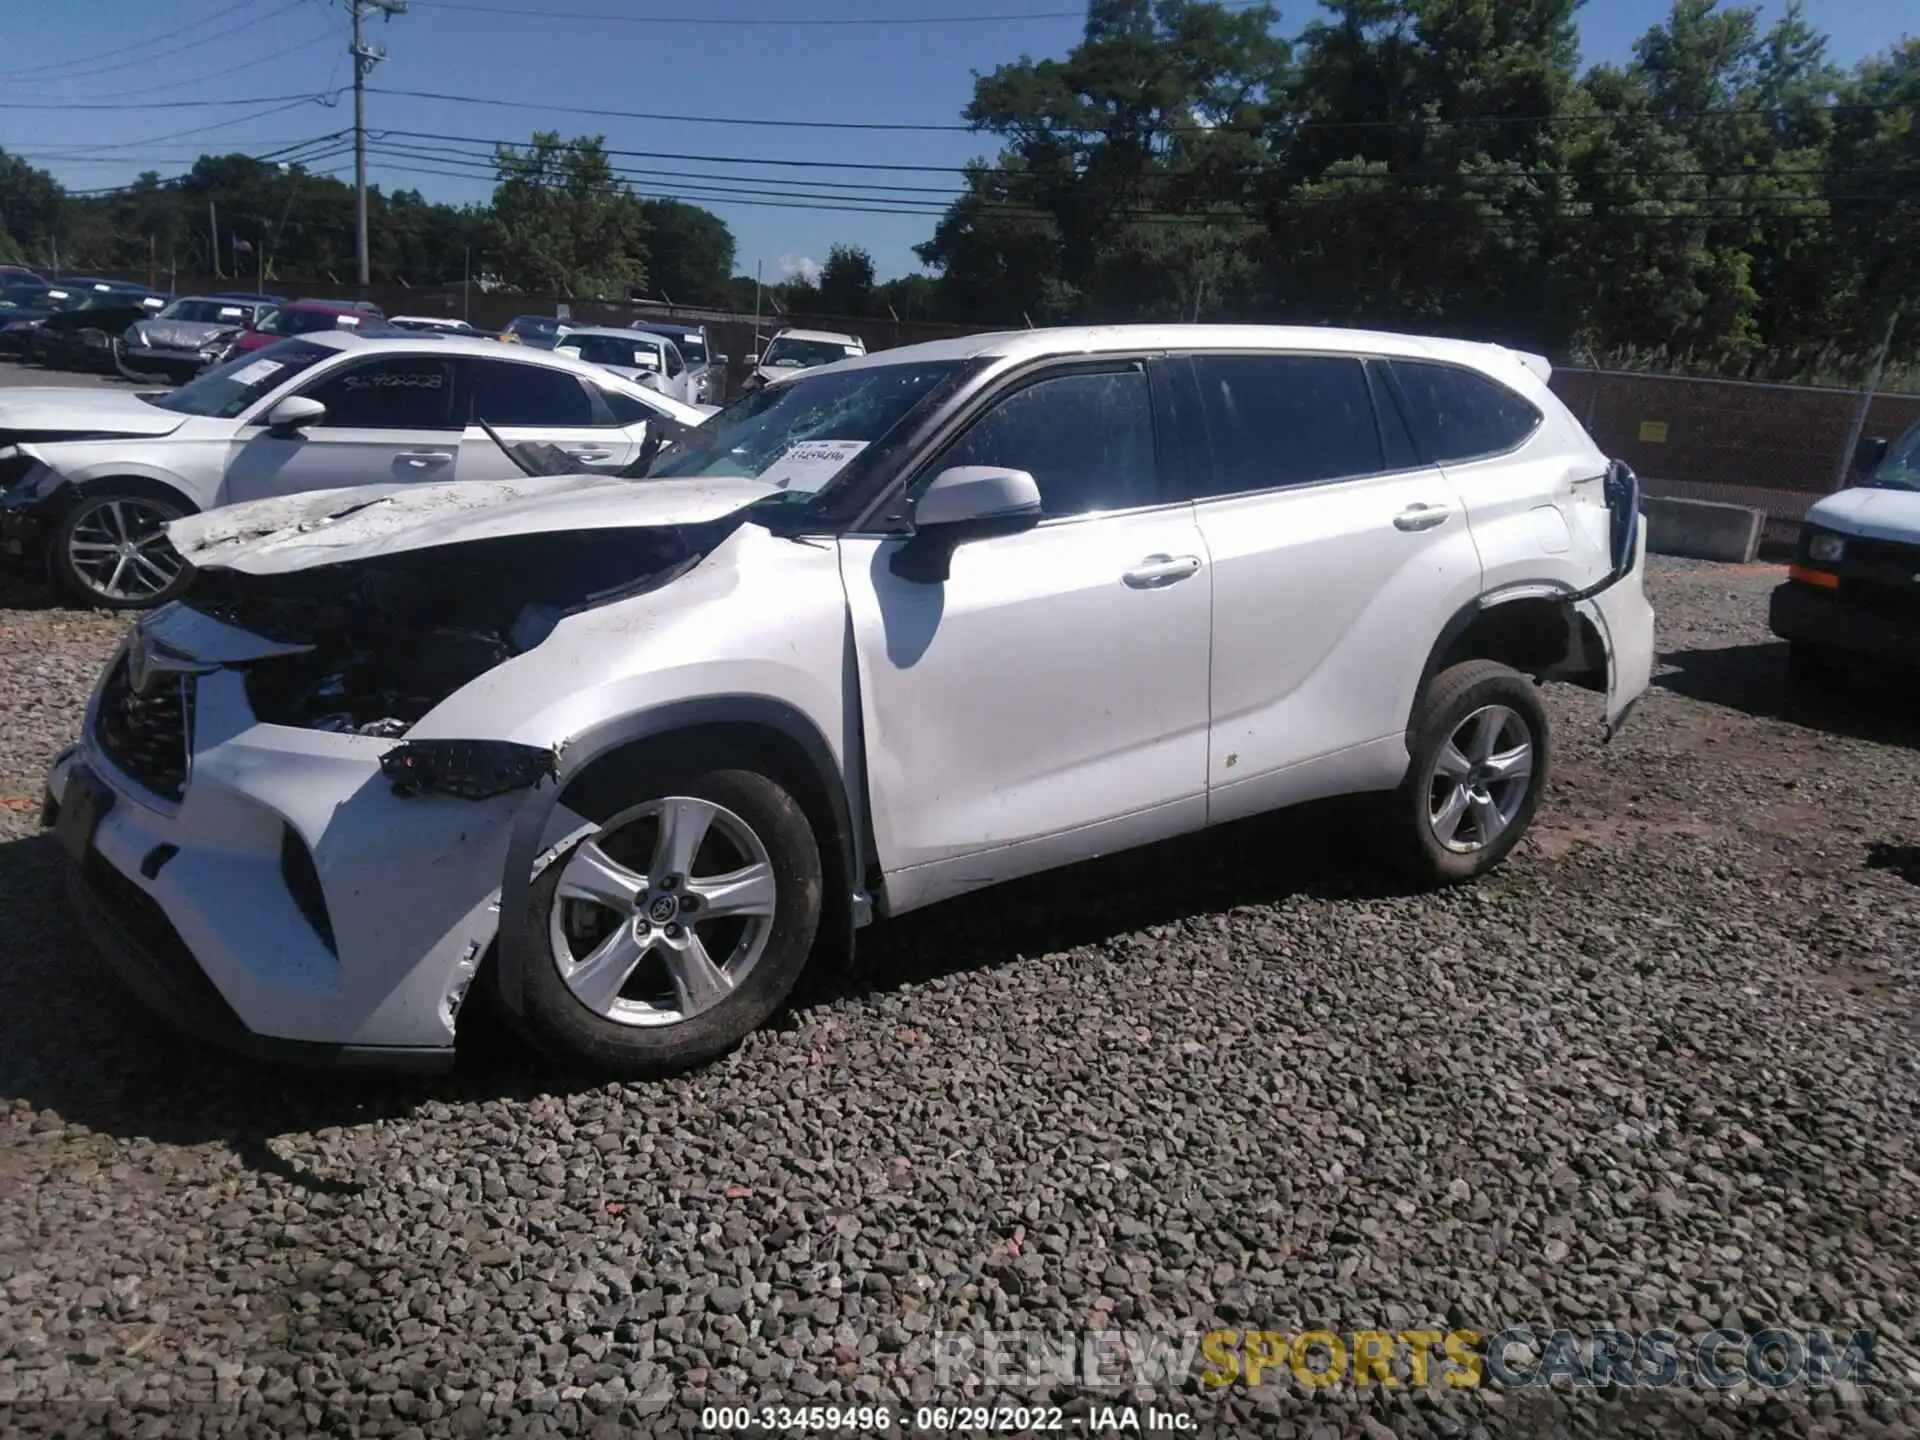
[(1702, 529)]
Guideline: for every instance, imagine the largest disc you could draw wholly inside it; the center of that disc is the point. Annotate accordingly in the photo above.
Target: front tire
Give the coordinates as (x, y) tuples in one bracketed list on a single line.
[(662, 940), (1480, 746), (110, 551)]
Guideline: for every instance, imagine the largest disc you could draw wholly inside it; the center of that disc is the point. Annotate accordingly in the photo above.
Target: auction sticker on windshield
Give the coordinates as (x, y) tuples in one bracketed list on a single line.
[(811, 463), (258, 371)]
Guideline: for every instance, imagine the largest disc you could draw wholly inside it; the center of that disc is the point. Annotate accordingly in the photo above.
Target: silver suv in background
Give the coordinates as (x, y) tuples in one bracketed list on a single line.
[(706, 368)]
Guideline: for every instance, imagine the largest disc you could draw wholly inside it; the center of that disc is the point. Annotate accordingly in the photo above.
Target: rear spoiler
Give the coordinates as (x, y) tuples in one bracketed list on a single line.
[(1538, 364)]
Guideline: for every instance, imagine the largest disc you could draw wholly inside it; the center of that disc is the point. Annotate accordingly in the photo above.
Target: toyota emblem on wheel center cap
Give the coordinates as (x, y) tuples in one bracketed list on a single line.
[(662, 909)]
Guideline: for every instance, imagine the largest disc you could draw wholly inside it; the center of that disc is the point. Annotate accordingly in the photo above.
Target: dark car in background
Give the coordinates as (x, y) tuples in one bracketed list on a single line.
[(25, 303), (86, 335), (190, 334), (303, 317), (542, 332)]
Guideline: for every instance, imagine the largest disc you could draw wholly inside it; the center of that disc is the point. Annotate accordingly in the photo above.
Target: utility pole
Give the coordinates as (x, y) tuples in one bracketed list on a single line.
[(1843, 468), (365, 57), (213, 239)]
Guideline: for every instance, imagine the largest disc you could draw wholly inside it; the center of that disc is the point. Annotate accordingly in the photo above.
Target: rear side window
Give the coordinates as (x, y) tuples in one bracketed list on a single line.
[(1085, 437), (625, 409), (1281, 420), (1460, 414), (505, 393)]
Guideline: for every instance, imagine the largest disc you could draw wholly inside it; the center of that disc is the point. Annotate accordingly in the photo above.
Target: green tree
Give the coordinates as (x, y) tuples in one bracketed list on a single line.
[(563, 222), (689, 252), (1154, 120), (846, 281), (31, 206)]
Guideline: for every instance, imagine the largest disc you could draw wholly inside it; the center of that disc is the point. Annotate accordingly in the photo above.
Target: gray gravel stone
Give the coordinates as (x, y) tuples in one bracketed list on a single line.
[(1660, 1071)]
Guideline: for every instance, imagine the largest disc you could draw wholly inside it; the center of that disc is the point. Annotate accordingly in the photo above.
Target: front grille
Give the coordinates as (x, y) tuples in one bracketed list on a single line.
[(1882, 575), (147, 736)]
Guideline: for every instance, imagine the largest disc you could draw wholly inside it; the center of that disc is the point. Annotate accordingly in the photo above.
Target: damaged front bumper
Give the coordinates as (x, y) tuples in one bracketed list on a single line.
[(287, 902)]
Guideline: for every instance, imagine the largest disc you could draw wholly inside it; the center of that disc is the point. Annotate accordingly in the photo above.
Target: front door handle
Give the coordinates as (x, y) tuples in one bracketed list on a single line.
[(1158, 571), (589, 454), (1421, 517), (426, 457)]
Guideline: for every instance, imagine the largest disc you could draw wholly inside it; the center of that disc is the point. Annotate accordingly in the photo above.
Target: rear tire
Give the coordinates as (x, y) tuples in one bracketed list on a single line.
[(1480, 748), (643, 951)]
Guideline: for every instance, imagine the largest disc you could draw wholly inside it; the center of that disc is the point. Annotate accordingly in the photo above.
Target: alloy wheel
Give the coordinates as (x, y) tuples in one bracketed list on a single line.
[(663, 913), (118, 549), (1480, 779)]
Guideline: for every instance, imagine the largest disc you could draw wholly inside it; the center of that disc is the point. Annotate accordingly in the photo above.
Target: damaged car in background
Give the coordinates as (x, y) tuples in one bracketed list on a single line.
[(95, 475), (621, 757), (189, 335)]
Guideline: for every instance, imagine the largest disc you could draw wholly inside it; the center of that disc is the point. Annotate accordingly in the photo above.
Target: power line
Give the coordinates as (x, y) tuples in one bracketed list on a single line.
[(149, 57), (1700, 209), (53, 102), (136, 45), (330, 97), (1266, 171), (734, 23), (1592, 121)]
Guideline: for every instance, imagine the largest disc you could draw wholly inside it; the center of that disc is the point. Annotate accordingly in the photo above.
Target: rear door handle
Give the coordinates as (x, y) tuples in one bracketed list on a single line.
[(589, 454), (426, 457), (1421, 517), (1158, 571)]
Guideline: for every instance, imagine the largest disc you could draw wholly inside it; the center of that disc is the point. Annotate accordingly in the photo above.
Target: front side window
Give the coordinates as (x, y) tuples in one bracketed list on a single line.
[(1275, 421), (674, 367), (397, 393), (227, 392), (506, 393), (1086, 438), (1459, 414), (1900, 470)]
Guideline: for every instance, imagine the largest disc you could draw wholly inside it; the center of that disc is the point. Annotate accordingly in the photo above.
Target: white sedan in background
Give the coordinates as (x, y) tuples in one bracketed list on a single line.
[(315, 412), (636, 355)]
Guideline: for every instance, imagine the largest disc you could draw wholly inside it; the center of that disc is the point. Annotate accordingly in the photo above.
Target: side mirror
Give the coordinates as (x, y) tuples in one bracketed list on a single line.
[(294, 414), (964, 502), (721, 361), (753, 357), (572, 352), (1868, 454), (966, 494)]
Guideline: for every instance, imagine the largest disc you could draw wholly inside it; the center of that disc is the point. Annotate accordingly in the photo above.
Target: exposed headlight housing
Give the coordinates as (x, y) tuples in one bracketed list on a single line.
[(466, 769), (1825, 547), (137, 336)]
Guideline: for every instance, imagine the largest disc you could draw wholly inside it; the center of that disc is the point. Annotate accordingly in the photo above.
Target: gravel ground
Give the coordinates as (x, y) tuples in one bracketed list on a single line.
[(1660, 1071)]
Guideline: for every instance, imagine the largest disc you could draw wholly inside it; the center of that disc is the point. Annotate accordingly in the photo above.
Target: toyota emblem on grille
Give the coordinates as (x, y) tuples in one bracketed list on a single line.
[(149, 659)]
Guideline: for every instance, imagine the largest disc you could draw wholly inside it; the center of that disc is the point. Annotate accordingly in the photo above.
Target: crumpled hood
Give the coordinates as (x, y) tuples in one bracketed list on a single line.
[(183, 334), (1871, 514), (52, 412), (327, 527)]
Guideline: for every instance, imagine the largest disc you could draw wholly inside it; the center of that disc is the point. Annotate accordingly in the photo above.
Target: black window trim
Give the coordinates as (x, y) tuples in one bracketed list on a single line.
[(885, 516), (1413, 431), (1202, 433)]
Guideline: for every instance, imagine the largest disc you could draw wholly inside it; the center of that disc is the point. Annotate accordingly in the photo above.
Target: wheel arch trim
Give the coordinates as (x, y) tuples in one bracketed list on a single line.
[(674, 719)]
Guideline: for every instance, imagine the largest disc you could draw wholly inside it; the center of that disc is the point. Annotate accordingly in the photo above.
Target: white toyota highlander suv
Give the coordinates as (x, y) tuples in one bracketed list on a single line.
[(624, 755)]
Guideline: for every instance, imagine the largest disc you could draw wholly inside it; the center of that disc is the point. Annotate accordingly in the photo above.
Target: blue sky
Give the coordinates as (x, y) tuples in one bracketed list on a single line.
[(182, 53)]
